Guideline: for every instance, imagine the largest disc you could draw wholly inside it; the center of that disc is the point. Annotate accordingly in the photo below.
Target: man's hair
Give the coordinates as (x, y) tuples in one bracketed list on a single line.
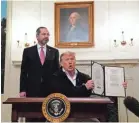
[(77, 15), (38, 30), (66, 53)]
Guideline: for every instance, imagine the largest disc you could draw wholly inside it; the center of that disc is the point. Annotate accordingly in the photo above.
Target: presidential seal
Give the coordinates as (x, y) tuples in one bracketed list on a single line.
[(56, 107)]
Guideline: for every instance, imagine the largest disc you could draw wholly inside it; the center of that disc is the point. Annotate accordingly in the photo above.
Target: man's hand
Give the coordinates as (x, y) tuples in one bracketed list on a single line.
[(89, 84), (22, 94), (124, 84)]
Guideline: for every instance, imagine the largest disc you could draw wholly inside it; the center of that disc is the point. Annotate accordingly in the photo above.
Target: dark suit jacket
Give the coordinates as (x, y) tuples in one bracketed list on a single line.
[(35, 77), (61, 84)]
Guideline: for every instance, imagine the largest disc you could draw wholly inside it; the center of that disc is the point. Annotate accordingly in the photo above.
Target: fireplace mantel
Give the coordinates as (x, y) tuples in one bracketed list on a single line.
[(87, 62)]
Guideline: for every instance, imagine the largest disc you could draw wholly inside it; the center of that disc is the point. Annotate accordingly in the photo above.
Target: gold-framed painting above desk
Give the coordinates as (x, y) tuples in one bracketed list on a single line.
[(74, 24)]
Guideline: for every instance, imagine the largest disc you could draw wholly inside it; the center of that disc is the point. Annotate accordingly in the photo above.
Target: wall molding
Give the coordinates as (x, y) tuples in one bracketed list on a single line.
[(105, 62)]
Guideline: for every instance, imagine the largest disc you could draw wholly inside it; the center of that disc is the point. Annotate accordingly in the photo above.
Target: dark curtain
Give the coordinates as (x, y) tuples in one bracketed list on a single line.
[(3, 45)]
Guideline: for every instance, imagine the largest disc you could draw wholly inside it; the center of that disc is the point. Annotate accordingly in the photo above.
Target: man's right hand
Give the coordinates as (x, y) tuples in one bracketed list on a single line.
[(89, 84), (22, 94)]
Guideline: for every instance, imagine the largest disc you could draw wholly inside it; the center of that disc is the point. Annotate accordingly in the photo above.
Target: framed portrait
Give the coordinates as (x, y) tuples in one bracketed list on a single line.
[(74, 24)]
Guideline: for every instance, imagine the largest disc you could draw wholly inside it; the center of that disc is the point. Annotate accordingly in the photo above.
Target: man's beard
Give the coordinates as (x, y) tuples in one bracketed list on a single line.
[(45, 41)]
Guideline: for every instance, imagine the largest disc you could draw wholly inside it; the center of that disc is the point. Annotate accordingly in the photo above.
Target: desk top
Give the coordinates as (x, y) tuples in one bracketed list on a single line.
[(96, 100)]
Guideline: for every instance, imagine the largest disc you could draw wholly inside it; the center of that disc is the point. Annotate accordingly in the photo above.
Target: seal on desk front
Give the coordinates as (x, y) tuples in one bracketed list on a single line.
[(56, 107)]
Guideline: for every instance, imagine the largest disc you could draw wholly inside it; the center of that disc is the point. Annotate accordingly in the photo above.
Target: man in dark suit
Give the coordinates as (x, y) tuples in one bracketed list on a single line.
[(38, 64), (72, 83), (69, 81)]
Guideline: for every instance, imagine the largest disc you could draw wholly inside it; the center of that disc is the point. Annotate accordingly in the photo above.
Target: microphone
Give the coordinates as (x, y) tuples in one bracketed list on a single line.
[(132, 104)]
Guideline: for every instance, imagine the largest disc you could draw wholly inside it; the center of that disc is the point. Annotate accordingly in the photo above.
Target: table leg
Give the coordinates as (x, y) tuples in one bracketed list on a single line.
[(14, 114)]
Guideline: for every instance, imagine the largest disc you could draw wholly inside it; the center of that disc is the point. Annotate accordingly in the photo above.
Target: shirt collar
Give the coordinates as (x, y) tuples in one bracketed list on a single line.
[(39, 46), (76, 72)]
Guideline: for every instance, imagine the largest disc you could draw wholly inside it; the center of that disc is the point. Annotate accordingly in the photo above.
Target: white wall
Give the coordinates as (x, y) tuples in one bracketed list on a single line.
[(110, 19), (25, 17)]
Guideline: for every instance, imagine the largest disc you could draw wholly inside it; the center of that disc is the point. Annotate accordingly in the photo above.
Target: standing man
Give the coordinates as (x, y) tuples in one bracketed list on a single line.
[(38, 64), (69, 81)]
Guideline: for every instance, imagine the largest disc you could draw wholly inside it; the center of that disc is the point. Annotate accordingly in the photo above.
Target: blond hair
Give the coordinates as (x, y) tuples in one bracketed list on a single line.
[(66, 53)]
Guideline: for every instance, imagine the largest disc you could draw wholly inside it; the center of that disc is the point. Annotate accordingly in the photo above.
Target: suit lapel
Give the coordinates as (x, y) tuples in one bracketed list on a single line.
[(78, 81), (37, 55), (63, 74), (48, 54), (47, 57)]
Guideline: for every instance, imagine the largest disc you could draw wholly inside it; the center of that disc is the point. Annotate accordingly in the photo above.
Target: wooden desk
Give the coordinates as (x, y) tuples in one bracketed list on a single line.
[(80, 108)]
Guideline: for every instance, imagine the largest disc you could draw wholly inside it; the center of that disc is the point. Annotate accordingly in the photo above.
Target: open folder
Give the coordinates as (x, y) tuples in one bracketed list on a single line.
[(108, 80)]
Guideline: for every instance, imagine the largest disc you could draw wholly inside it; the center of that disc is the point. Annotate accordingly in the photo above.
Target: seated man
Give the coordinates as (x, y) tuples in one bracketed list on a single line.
[(69, 81), (72, 83)]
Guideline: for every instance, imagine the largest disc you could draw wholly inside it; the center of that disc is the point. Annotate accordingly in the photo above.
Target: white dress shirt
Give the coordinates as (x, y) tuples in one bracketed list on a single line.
[(72, 79), (39, 49)]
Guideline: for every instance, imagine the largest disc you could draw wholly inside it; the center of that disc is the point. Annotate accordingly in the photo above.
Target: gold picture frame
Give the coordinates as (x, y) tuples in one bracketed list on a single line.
[(74, 24)]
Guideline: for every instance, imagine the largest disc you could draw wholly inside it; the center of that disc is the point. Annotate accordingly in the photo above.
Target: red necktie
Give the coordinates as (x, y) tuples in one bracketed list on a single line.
[(42, 55)]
